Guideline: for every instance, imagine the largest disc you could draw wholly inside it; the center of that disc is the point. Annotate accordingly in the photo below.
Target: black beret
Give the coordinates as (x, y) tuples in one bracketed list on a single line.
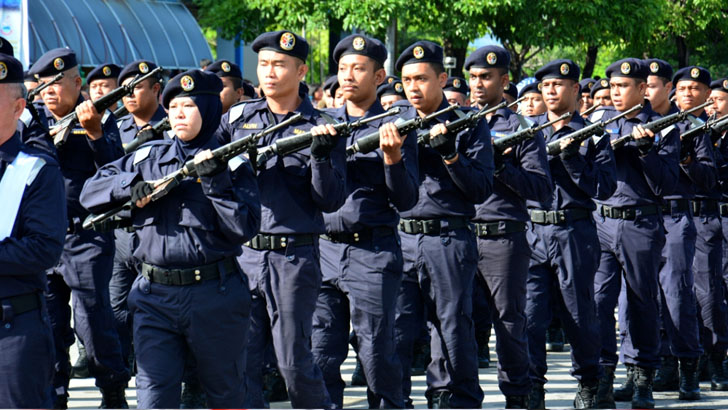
[(390, 79), (660, 68), (362, 45), (103, 72), (27, 76), (54, 62), (420, 52), (282, 41), (248, 90), (139, 67), (693, 73), (563, 68), (488, 57), (512, 90), (458, 84), (5, 46), (534, 87), (720, 84), (224, 68), (192, 82), (628, 67), (11, 70), (393, 88), (602, 84), (586, 84), (330, 82)]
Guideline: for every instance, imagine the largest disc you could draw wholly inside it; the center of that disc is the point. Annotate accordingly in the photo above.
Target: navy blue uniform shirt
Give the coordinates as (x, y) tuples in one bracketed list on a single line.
[(700, 174), (128, 128)]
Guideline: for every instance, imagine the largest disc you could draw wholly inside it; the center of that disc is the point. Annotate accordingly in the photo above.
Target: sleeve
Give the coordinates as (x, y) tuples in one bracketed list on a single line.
[(660, 165), (402, 178), (702, 167), (111, 185), (107, 148), (529, 174), (472, 173), (328, 179), (224, 130), (594, 173), (39, 233)]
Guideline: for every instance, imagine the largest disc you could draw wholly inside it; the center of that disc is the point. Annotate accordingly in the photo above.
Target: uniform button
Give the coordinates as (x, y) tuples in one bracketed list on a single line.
[(197, 275), (123, 182), (7, 326)]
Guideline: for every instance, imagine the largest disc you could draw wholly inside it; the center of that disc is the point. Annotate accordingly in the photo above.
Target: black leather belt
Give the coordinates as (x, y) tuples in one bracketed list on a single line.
[(431, 226), (21, 303), (675, 205), (628, 213), (271, 242), (189, 276), (489, 229), (355, 237), (562, 216), (723, 209), (705, 206)]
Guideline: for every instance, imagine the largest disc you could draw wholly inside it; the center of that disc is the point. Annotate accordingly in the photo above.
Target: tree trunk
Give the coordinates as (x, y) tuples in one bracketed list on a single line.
[(336, 25), (591, 60), (683, 53), (391, 46)]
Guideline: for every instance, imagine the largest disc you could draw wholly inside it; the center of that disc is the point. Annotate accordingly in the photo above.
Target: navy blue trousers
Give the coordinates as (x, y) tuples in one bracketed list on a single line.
[(709, 285)]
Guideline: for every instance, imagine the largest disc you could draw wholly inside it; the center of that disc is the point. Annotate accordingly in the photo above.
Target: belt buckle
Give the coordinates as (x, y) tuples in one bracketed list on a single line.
[(629, 213)]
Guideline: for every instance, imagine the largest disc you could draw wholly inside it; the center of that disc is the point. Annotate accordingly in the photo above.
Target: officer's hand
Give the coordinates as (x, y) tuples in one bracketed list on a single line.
[(568, 147), (324, 141), (390, 141), (643, 138), (443, 143), (206, 165), (90, 119), (147, 134), (324, 129), (140, 193)]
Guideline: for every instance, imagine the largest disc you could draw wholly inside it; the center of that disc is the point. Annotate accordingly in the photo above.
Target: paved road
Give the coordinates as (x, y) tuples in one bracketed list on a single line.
[(560, 389)]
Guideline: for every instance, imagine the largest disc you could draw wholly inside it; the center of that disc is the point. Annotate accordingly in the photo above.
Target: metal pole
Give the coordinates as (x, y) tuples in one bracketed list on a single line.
[(391, 41)]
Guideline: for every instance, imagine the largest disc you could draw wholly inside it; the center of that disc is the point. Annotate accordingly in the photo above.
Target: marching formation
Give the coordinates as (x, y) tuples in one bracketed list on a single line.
[(201, 236)]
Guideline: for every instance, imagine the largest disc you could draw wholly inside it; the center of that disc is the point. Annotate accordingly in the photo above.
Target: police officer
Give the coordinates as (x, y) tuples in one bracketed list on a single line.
[(659, 85), (84, 270), (532, 103), (631, 233), (390, 92), (32, 230), (330, 86), (282, 260), (188, 241), (361, 259), (102, 80), (437, 244), (456, 91), (587, 100), (510, 92), (600, 93), (232, 82), (564, 239), (521, 173)]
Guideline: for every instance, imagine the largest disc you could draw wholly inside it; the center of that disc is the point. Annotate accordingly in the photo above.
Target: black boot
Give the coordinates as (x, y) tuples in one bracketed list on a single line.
[(626, 390), (605, 389), (80, 368), (667, 378), (274, 387), (555, 339), (113, 398), (718, 373), (537, 396), (482, 339), (420, 359), (61, 401), (193, 396), (358, 378), (516, 402), (643, 379), (439, 400), (703, 373), (586, 395), (689, 385)]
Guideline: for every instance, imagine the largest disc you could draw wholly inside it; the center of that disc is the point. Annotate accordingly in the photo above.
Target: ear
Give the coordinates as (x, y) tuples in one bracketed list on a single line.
[(302, 71), (442, 78), (379, 76), (505, 79), (239, 92), (18, 108), (78, 82)]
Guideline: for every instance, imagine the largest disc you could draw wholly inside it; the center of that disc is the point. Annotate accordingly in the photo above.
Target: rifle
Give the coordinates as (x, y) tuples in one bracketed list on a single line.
[(35, 91), (121, 111), (460, 124), (289, 145), (590, 110), (502, 144), (156, 129), (659, 124), (554, 147), (62, 129), (714, 127), (164, 185), (514, 103), (369, 143)]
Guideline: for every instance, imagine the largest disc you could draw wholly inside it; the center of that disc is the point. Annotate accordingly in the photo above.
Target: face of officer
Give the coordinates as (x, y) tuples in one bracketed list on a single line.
[(60, 98), (455, 97), (533, 104), (690, 94), (603, 98), (144, 100), (185, 118), (626, 92), (560, 95), (229, 94), (388, 100), (101, 87), (487, 85), (658, 90), (279, 74), (12, 105), (720, 103), (586, 102), (359, 77), (423, 86)]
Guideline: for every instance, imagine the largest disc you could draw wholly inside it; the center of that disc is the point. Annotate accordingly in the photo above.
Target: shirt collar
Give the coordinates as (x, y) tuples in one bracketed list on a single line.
[(10, 148)]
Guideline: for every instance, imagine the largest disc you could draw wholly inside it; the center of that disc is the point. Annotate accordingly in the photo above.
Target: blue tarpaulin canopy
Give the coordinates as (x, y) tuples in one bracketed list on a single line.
[(118, 31)]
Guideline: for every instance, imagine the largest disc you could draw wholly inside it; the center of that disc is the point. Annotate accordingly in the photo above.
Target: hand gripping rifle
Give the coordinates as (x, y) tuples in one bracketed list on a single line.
[(502, 144), (369, 143), (157, 130), (62, 129), (164, 185), (295, 143), (660, 124), (713, 127), (554, 147), (469, 120)]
